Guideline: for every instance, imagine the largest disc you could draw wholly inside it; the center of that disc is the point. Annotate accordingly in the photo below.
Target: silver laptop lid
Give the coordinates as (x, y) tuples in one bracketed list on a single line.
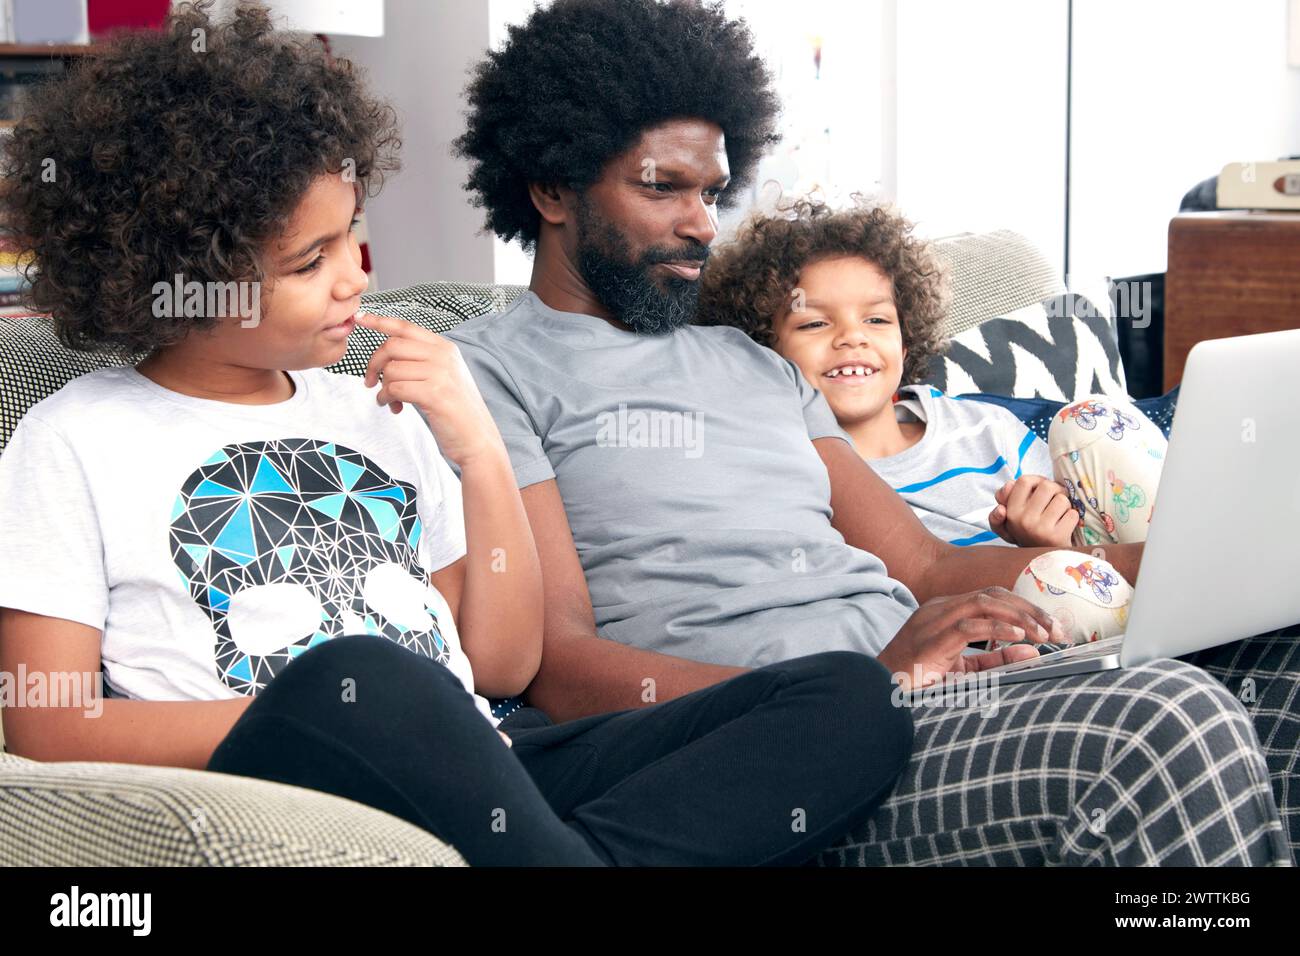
[(1222, 558)]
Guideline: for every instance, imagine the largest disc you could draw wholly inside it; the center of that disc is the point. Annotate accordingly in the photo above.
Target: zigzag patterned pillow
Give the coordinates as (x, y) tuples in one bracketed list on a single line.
[(1063, 349)]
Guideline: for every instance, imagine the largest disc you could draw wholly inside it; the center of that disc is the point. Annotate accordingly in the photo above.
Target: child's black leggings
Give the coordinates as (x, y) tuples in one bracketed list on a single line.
[(769, 767)]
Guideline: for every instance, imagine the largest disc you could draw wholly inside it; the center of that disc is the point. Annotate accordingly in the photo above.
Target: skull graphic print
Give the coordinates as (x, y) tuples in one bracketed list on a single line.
[(285, 544)]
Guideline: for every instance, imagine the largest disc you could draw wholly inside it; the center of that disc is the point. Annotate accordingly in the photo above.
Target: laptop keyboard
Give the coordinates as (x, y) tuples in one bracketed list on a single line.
[(1094, 649)]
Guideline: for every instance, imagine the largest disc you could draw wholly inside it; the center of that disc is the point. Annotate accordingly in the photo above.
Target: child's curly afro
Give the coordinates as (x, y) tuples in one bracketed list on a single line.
[(578, 83), (178, 151), (749, 281)]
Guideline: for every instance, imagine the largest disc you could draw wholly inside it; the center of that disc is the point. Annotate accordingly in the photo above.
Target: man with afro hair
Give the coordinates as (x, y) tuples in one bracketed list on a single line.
[(605, 74), (698, 512)]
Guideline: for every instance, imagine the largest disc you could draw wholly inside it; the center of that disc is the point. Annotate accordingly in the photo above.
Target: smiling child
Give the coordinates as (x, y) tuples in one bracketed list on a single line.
[(857, 302)]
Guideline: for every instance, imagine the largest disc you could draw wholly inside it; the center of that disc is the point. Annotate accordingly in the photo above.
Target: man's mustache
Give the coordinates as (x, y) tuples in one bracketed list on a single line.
[(695, 253)]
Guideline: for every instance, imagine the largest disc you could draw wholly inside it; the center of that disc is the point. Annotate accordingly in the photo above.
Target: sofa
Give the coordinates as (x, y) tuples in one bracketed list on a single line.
[(87, 814)]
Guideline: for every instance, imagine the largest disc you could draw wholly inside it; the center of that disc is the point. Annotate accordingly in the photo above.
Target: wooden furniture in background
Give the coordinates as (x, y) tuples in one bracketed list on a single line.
[(45, 49), (1230, 273), (43, 60)]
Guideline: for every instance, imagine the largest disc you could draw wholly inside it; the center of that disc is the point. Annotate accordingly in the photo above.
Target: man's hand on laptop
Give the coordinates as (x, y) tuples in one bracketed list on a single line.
[(933, 641)]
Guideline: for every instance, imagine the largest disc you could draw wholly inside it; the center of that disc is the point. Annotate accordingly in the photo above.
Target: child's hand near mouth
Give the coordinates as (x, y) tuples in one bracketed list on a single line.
[(1034, 512), (424, 369)]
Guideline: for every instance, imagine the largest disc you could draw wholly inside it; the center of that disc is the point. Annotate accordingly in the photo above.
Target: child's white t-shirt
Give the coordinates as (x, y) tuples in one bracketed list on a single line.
[(970, 449), (213, 542)]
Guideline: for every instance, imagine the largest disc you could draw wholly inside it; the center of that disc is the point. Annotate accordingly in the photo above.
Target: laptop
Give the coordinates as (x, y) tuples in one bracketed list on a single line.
[(1222, 558)]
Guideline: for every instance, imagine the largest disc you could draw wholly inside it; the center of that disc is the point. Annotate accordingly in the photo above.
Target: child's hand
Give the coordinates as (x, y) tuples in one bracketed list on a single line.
[(1034, 512), (426, 370)]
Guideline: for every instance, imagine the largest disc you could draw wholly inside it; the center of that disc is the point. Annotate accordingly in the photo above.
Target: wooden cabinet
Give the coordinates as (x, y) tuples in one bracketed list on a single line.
[(1229, 273)]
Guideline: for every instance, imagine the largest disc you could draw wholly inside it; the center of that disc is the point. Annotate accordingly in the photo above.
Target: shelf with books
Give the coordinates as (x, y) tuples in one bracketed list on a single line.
[(13, 281), (22, 64)]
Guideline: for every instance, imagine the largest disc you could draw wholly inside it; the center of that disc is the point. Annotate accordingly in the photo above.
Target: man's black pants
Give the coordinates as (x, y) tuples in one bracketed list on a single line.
[(769, 767)]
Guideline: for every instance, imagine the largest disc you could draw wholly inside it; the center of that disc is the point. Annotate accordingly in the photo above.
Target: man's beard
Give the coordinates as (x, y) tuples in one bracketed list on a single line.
[(624, 285)]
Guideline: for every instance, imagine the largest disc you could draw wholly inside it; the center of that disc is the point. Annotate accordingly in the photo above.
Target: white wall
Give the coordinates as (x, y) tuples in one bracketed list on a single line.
[(957, 111), (510, 264), (422, 227), (981, 117), (1166, 92), (954, 109), (832, 112)]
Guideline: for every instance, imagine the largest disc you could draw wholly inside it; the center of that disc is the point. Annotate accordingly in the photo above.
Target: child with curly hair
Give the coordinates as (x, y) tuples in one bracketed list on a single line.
[(274, 568), (857, 302)]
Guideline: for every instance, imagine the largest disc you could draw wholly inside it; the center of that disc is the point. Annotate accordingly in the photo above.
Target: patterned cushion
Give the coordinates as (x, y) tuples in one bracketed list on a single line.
[(1062, 348), (1038, 413), (33, 365), (437, 306), (993, 273), (105, 814)]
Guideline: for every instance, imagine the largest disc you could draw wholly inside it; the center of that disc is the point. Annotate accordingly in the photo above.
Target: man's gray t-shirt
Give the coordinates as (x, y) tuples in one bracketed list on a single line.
[(699, 506)]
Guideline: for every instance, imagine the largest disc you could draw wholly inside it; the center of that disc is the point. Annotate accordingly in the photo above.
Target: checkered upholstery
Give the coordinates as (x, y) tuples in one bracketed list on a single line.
[(33, 364), (992, 274), (103, 814)]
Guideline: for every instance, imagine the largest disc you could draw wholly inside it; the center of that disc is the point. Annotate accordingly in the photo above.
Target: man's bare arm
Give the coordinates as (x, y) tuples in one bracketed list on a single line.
[(165, 733), (873, 517), (582, 673)]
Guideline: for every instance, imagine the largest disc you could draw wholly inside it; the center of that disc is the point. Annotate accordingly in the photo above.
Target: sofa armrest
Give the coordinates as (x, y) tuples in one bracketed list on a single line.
[(105, 814)]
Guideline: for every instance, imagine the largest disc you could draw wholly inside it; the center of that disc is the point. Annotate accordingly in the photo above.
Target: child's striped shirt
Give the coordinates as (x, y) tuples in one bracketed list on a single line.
[(969, 450)]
